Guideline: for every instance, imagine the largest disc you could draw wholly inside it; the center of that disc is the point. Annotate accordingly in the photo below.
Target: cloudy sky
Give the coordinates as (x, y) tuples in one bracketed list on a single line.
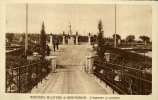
[(130, 19)]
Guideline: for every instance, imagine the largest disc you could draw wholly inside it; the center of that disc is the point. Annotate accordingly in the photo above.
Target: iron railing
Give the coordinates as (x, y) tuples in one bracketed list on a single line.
[(123, 80), (22, 79)]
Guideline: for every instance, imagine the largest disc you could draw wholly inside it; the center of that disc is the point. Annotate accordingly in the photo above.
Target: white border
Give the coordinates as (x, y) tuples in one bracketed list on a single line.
[(154, 4)]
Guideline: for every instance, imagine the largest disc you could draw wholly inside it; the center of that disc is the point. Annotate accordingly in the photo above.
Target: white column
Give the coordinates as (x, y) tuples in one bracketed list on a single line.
[(88, 64), (92, 63), (53, 62), (63, 40), (50, 39), (89, 40), (76, 40)]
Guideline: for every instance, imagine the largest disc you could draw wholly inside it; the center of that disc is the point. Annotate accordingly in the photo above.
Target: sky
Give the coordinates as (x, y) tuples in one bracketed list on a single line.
[(131, 19)]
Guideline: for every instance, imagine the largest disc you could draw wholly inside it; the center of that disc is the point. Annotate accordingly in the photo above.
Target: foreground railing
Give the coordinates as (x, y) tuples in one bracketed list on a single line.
[(123, 80), (23, 79)]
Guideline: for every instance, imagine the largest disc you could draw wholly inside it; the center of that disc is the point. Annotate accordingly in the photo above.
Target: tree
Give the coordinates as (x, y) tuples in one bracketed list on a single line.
[(130, 38), (100, 41), (145, 39), (118, 37), (43, 41)]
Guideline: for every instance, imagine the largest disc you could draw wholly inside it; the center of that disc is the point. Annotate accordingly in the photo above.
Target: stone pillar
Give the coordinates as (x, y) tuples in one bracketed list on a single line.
[(63, 40), (76, 40), (86, 63), (53, 58), (50, 39), (89, 64), (53, 62), (89, 40)]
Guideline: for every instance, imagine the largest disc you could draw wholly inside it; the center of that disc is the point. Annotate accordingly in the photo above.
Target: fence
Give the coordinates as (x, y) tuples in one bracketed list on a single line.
[(123, 80), (23, 79)]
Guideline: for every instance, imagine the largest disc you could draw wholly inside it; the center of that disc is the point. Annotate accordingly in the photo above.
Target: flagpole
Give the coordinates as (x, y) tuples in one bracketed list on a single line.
[(115, 27), (26, 34)]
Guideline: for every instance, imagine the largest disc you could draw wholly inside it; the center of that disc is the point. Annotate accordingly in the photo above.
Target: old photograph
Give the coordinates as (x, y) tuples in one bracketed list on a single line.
[(78, 49)]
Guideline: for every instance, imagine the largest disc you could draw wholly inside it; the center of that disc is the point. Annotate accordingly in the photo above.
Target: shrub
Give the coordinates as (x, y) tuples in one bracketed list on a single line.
[(128, 58)]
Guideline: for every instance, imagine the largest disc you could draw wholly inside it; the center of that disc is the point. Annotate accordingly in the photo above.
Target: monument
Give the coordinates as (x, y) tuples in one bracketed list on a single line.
[(70, 31), (71, 40)]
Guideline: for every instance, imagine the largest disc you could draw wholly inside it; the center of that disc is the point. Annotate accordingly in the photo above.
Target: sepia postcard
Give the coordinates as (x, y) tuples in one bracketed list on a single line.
[(79, 50)]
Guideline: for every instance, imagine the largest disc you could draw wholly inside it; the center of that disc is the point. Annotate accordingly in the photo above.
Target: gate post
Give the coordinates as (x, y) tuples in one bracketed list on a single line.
[(89, 64), (53, 58), (53, 62), (76, 40), (63, 40), (86, 64)]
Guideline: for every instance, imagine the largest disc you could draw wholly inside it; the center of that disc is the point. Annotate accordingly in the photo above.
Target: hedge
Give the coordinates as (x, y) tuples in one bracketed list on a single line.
[(128, 58)]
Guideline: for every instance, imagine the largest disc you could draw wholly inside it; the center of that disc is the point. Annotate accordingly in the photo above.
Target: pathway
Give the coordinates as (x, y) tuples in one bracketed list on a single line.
[(69, 78)]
